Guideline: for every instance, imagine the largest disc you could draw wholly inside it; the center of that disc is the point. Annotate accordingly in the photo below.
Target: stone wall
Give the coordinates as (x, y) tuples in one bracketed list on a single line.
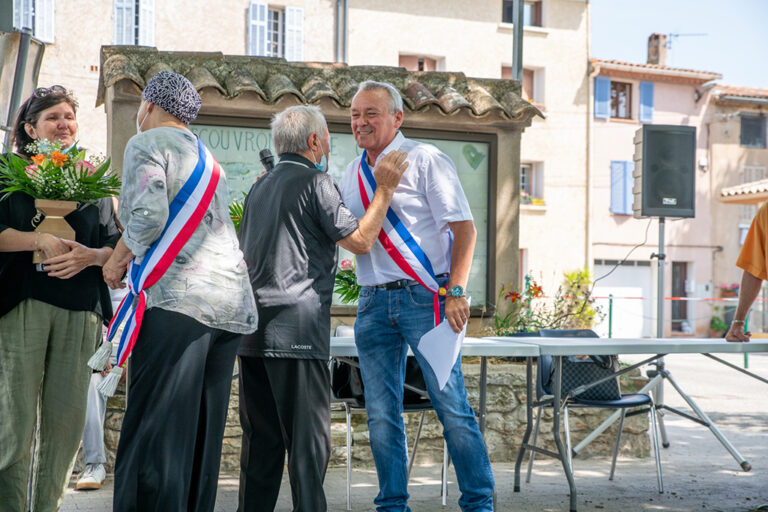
[(505, 424)]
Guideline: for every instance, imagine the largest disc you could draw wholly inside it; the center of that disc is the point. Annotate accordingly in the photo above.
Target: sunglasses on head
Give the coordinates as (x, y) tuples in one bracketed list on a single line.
[(42, 92)]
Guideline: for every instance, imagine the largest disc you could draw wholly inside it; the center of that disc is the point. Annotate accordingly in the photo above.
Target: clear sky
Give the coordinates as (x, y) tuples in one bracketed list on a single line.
[(735, 44)]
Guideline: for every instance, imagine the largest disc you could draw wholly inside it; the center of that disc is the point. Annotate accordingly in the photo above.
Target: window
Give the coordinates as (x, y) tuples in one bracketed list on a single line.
[(753, 131), (531, 86), (37, 15), (134, 22), (531, 184), (417, 63), (531, 13), (621, 100), (621, 187), (276, 32)]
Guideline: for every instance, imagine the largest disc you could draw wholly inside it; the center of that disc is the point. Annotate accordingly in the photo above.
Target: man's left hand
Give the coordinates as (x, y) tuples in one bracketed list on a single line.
[(456, 312)]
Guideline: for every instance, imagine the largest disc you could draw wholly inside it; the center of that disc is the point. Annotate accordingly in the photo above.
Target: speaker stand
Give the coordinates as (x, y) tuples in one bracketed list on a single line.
[(659, 363)]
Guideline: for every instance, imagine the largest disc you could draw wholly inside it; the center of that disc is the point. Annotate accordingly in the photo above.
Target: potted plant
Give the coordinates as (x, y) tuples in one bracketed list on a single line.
[(717, 324), (729, 290)]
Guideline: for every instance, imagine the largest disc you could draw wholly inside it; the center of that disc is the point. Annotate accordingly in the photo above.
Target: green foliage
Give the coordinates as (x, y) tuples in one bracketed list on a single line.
[(716, 323), (236, 213), (57, 175), (346, 283), (528, 310), (574, 303)]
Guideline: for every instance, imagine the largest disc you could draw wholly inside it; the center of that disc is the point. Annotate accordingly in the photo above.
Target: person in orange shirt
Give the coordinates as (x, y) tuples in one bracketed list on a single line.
[(753, 259)]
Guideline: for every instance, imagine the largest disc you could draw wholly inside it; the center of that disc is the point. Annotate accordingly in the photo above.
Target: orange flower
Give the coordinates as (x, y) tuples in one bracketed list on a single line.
[(58, 158), (514, 296), (38, 159), (537, 290)]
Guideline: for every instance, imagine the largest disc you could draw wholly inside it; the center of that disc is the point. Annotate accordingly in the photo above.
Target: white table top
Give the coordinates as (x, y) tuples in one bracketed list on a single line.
[(345, 347), (607, 346)]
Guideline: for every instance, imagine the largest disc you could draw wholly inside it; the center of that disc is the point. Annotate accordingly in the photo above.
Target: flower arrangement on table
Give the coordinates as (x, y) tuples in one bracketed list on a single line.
[(346, 282), (58, 180), (526, 311)]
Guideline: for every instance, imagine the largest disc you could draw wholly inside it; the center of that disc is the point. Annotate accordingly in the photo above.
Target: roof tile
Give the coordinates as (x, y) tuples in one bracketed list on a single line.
[(272, 78)]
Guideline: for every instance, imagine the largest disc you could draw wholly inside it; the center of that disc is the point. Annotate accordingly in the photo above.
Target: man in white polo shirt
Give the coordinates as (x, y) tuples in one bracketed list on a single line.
[(413, 277)]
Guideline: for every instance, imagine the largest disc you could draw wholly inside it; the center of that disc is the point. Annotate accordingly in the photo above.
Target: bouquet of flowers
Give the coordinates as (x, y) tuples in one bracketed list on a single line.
[(57, 175), (346, 282)]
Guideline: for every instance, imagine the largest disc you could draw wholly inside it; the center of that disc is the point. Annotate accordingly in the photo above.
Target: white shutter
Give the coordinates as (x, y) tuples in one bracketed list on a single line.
[(44, 14), (294, 33), (22, 14), (125, 19), (147, 22), (257, 28)]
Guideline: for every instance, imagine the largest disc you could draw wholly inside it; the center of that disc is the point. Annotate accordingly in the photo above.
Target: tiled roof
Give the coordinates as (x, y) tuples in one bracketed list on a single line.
[(272, 78), (658, 70), (747, 193), (723, 91)]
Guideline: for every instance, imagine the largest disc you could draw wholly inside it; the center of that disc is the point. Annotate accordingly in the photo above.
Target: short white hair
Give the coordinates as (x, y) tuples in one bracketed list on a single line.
[(292, 127), (395, 100)]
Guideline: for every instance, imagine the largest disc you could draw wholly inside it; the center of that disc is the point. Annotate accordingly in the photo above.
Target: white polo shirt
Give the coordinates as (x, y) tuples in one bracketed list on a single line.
[(428, 197)]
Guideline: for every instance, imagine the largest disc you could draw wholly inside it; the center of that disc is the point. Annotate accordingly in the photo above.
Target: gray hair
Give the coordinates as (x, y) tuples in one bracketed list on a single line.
[(292, 127), (395, 100)]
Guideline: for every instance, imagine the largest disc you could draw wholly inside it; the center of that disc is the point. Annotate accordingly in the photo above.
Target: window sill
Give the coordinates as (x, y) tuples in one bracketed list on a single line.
[(508, 27), (533, 207), (622, 120)]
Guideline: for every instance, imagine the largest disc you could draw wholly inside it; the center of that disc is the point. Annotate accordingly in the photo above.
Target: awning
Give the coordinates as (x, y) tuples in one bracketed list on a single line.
[(754, 192)]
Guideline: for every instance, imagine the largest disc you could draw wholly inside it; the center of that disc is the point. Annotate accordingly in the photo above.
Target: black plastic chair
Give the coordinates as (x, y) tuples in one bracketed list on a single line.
[(415, 400), (627, 401)]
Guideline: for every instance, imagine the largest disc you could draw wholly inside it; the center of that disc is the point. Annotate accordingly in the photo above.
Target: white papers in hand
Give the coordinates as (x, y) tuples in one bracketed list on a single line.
[(440, 347)]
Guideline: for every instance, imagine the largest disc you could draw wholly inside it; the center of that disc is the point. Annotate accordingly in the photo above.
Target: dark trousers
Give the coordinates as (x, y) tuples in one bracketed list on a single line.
[(170, 444), (284, 406)]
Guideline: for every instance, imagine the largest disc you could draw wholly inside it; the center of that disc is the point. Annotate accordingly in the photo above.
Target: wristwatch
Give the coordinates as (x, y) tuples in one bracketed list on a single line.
[(456, 291)]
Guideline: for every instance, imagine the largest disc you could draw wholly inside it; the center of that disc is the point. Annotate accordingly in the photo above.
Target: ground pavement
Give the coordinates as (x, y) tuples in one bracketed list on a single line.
[(699, 475)]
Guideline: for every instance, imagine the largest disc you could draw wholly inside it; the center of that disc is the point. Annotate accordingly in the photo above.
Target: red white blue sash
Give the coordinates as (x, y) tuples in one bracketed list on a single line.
[(185, 213), (398, 241)]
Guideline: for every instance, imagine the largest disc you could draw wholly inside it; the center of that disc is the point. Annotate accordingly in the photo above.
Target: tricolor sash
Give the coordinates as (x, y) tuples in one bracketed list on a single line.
[(185, 213), (398, 241)]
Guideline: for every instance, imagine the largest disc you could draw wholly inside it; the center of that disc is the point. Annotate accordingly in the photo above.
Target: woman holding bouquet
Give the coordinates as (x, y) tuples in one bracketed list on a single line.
[(50, 315)]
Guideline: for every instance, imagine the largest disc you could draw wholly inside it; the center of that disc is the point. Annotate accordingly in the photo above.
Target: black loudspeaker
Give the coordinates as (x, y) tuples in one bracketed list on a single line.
[(665, 171)]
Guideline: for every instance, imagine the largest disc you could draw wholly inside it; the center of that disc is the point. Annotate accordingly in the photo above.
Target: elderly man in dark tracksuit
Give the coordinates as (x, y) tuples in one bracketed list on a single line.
[(293, 219)]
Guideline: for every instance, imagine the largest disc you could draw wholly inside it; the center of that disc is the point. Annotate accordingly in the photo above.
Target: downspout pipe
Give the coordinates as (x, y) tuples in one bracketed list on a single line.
[(18, 80), (345, 33)]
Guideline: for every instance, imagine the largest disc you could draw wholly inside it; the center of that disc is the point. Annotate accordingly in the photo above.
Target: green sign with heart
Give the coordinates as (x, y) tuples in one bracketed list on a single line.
[(472, 155)]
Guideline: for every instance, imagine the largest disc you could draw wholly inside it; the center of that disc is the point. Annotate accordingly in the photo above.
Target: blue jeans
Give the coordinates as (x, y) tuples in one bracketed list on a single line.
[(388, 322)]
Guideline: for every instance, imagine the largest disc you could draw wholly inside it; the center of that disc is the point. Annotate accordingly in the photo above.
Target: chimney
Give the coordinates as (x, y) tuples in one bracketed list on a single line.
[(657, 49)]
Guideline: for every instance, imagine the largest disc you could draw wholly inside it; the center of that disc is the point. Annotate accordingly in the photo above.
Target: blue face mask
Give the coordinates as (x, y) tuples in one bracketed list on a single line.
[(322, 165)]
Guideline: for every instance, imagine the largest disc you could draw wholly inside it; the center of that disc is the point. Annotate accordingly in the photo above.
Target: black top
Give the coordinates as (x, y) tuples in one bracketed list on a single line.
[(292, 219), (94, 226)]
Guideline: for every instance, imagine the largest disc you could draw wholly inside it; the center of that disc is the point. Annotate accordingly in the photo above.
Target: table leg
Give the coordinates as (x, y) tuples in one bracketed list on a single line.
[(528, 418), (483, 399), (558, 388)]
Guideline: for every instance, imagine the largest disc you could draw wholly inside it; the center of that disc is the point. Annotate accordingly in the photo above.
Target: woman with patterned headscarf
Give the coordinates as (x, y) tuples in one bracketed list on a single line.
[(189, 302)]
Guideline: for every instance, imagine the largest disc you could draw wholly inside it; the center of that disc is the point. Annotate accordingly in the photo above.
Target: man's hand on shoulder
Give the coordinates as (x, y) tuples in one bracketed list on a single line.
[(389, 171)]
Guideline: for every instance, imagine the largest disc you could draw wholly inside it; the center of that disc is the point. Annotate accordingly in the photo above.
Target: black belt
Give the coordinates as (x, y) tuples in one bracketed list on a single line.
[(402, 283)]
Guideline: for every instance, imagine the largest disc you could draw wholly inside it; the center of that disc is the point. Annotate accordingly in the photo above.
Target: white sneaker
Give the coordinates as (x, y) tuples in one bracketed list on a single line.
[(92, 478)]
